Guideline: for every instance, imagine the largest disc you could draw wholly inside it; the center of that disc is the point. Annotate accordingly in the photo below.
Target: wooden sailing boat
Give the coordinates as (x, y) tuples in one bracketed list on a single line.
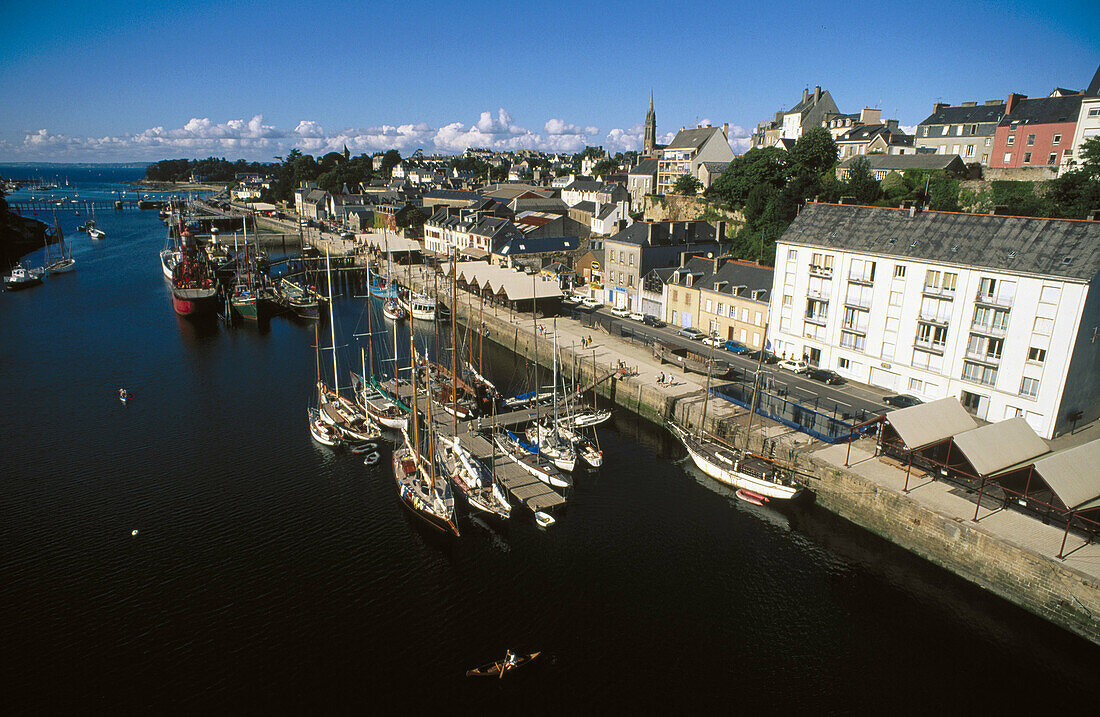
[(426, 495), (379, 408), (333, 408), (65, 262), (759, 478)]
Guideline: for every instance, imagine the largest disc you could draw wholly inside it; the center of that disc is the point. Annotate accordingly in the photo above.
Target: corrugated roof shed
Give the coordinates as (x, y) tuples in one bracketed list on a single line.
[(1062, 248), (993, 448), (928, 423)]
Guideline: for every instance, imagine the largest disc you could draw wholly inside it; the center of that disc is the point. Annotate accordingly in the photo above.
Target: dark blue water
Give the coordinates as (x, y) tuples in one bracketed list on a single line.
[(272, 574)]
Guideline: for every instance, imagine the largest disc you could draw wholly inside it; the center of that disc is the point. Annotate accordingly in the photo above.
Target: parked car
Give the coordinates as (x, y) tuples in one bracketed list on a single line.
[(825, 375), (653, 321), (620, 311), (902, 401), (798, 366), (571, 299), (690, 332), (636, 316), (712, 341), (591, 303), (735, 346), (769, 357)]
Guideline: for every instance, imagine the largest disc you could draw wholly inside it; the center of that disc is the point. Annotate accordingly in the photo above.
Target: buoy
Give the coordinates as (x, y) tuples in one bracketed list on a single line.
[(133, 532), (371, 459)]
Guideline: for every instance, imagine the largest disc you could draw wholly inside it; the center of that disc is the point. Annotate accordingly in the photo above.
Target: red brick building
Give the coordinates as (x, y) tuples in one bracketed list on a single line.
[(1035, 132)]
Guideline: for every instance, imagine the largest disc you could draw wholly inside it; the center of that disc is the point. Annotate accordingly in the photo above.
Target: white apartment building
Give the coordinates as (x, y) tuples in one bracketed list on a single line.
[(1088, 126), (1001, 312)]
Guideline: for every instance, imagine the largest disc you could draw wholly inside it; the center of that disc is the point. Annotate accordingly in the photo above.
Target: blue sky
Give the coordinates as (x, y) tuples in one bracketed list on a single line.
[(119, 81)]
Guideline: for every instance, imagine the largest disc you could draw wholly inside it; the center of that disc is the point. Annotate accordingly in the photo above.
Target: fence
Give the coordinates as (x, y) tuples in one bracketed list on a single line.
[(811, 421)]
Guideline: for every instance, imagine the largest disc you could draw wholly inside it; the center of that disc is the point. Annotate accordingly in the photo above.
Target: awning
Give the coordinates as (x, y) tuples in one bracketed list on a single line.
[(1073, 475), (997, 446), (928, 423)]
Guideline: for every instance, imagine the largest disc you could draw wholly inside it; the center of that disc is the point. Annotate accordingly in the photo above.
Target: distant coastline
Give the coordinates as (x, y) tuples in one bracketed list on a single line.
[(182, 186)]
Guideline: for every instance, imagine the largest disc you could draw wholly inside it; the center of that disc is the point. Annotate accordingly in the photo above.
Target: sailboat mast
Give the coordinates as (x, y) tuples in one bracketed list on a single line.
[(454, 337), (710, 369), (755, 385), (555, 360), (535, 327), (415, 411), (331, 323)]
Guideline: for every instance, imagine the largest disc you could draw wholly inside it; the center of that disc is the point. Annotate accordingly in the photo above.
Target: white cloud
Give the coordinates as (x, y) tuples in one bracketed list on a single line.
[(253, 139)]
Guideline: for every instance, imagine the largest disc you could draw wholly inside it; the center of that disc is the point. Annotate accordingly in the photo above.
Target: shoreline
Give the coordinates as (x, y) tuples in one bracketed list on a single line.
[(182, 186)]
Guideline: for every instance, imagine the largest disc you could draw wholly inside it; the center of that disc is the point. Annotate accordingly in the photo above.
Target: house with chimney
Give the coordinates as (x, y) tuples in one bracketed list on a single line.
[(721, 296), (688, 150), (1000, 312), (1033, 135), (870, 135), (633, 252), (813, 110), (966, 130)]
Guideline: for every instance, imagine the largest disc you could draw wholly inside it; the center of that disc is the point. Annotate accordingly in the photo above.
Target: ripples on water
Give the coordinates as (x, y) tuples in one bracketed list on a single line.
[(271, 574)]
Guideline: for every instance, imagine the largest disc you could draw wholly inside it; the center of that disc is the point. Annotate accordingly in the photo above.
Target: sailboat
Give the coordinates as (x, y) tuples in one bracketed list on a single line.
[(425, 494), (379, 408), (93, 229), (391, 307), (333, 408), (66, 262), (473, 480), (757, 479), (547, 439)]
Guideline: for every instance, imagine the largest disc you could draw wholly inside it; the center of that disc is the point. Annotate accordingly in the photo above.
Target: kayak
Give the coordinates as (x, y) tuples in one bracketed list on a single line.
[(501, 667)]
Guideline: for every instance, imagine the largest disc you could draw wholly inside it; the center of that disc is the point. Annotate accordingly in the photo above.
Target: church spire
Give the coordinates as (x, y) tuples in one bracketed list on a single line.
[(649, 143)]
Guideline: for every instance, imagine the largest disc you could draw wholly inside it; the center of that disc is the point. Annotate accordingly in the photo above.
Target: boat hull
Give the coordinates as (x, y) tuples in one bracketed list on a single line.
[(730, 475), (188, 302)]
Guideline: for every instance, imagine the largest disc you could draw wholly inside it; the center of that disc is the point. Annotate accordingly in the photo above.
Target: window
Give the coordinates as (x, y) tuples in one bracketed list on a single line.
[(674, 297), (1057, 140), (1043, 326), (949, 281), (932, 279), (895, 298), (852, 341), (1029, 387), (612, 260), (756, 318), (1011, 140), (843, 363), (630, 280), (899, 272), (792, 255), (855, 319), (1036, 355), (745, 315), (1030, 140), (1050, 295), (958, 130), (1027, 157), (930, 336), (1008, 157), (915, 385), (987, 288), (977, 373), (1053, 158), (969, 150), (710, 307), (1094, 112), (721, 309), (632, 260), (787, 299)]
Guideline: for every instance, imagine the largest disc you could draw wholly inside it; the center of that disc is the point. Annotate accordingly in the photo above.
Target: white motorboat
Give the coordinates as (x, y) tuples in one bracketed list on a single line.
[(322, 432), (737, 468), (586, 418), (420, 306), (168, 260)]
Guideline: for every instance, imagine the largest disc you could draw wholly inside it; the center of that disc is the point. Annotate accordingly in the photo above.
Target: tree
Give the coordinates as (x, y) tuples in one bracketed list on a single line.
[(605, 167), (770, 165), (390, 160), (814, 153), (861, 184), (686, 185)]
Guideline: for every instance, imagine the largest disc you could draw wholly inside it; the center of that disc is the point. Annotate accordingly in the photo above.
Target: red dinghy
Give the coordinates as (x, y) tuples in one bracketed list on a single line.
[(749, 497)]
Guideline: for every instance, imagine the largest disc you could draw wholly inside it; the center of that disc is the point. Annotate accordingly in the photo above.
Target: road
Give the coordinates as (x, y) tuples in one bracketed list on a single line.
[(854, 399)]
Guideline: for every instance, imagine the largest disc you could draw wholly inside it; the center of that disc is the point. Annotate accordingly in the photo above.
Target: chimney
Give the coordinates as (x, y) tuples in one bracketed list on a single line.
[(817, 94), (649, 232), (720, 230), (968, 104), (937, 106), (805, 94), (1013, 100), (726, 130), (684, 258), (1094, 215)]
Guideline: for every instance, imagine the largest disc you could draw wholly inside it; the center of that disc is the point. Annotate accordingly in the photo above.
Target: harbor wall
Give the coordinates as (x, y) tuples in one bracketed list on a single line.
[(1039, 584)]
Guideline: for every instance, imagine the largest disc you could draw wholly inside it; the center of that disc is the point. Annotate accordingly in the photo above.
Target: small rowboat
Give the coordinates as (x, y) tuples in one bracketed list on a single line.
[(749, 497), (499, 668)]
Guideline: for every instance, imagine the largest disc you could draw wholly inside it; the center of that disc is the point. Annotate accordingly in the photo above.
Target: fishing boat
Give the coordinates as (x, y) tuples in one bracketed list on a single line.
[(22, 278), (471, 479), (393, 310), (526, 456), (194, 288), (420, 306), (380, 287), (92, 228), (323, 432), (738, 468), (303, 300), (502, 667), (380, 409)]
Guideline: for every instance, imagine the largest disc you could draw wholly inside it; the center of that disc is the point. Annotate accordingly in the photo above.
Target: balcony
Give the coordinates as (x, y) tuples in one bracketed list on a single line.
[(995, 330), (819, 319), (939, 292), (932, 347), (1000, 301), (936, 319), (856, 328), (825, 272), (861, 280), (983, 358), (864, 304)]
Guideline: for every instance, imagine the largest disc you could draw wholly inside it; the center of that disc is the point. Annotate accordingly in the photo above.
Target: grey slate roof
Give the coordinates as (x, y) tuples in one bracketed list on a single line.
[(906, 162), (729, 276), (1044, 110), (693, 138), (976, 114), (536, 245), (715, 167), (646, 166), (1022, 245), (585, 206), (664, 234)]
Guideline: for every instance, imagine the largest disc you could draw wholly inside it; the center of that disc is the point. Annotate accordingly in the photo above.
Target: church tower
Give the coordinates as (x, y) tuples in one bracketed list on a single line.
[(649, 144)]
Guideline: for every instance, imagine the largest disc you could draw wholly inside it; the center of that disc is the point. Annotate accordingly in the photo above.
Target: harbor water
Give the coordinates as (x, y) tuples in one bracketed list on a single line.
[(195, 550)]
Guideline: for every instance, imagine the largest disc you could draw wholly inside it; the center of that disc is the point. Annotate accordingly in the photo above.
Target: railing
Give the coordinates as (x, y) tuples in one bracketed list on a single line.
[(863, 280), (857, 328), (934, 319), (819, 319), (822, 271), (982, 357), (864, 304), (1004, 302), (938, 291), (929, 346), (989, 329)]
